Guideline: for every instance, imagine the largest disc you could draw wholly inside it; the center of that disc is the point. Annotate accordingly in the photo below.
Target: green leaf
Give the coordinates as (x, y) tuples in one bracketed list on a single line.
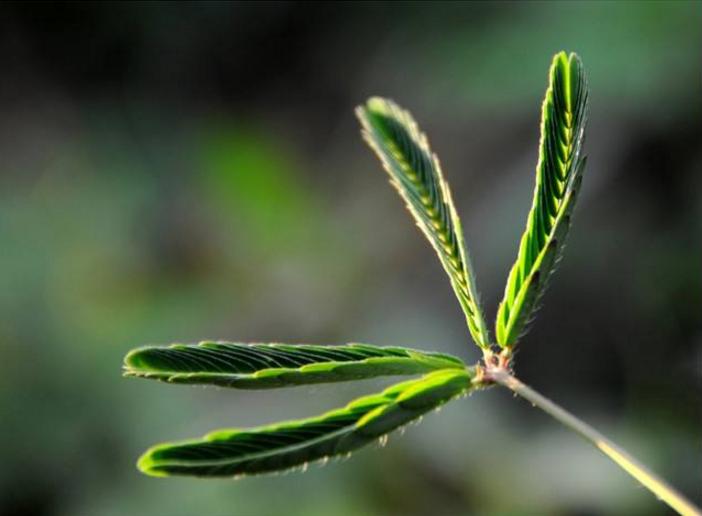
[(558, 178), (267, 366), (416, 174), (237, 452)]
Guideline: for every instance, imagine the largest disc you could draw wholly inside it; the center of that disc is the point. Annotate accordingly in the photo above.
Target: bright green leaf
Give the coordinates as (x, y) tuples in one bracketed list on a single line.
[(237, 452), (267, 366), (416, 174), (558, 178)]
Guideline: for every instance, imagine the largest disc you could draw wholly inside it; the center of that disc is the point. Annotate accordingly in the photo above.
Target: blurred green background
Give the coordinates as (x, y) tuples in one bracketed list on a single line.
[(175, 172)]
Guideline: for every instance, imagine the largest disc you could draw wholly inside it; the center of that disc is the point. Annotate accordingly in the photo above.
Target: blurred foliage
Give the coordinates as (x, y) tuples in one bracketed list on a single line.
[(174, 172)]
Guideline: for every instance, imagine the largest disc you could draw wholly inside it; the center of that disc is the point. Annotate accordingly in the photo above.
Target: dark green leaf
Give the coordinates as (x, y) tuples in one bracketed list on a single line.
[(237, 452), (266, 366)]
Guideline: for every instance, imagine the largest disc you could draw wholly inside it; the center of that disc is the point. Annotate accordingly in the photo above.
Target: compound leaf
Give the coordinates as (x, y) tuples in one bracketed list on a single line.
[(416, 174), (558, 178), (267, 366), (238, 452)]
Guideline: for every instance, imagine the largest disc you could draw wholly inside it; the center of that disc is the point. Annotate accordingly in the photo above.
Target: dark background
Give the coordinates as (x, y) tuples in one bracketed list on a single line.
[(178, 171)]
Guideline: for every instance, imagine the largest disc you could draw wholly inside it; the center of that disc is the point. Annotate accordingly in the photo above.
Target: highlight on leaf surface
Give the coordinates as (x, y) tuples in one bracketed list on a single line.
[(416, 174), (277, 447), (268, 366), (558, 178)]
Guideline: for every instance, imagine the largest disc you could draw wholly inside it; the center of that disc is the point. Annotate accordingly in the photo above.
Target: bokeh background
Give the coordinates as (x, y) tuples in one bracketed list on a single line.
[(175, 172)]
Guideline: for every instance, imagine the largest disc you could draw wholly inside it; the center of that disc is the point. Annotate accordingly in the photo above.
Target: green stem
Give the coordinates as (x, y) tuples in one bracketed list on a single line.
[(650, 480)]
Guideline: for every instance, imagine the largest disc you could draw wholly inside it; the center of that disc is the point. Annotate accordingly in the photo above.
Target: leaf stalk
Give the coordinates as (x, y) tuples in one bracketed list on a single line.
[(660, 488)]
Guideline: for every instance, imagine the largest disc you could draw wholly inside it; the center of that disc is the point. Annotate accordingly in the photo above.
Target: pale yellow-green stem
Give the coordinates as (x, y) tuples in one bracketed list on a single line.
[(650, 480)]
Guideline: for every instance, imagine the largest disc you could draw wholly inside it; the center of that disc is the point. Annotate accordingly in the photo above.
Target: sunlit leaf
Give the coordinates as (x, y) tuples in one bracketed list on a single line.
[(267, 366), (236, 452), (416, 174), (558, 178)]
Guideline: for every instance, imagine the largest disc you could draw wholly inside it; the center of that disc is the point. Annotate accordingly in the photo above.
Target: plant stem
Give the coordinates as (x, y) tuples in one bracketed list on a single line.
[(650, 480)]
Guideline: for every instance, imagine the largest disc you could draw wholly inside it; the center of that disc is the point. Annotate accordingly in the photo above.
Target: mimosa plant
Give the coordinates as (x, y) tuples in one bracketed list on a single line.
[(415, 172)]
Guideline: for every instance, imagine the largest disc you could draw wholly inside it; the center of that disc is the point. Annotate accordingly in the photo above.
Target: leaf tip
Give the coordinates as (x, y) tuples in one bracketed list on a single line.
[(137, 359), (561, 56), (148, 466), (378, 104), (377, 107), (573, 57)]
